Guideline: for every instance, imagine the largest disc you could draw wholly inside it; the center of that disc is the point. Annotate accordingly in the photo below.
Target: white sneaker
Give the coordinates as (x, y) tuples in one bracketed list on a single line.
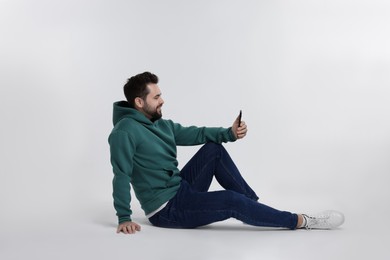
[(329, 219)]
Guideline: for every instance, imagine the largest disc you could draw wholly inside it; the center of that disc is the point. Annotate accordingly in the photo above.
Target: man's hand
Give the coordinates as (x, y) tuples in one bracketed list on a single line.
[(128, 227), (239, 131)]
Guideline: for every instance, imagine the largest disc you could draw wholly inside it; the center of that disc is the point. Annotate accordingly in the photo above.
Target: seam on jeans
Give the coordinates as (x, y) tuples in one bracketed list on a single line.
[(230, 174), (216, 157), (236, 214), (258, 223), (235, 181), (203, 169)]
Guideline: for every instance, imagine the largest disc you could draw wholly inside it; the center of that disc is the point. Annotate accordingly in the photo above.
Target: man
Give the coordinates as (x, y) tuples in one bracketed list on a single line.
[(143, 154)]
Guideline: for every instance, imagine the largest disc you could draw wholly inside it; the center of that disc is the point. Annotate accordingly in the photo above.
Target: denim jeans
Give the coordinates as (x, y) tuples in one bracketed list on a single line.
[(195, 206)]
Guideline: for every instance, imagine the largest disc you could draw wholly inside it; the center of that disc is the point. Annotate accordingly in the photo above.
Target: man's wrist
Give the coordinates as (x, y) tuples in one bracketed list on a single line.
[(233, 137)]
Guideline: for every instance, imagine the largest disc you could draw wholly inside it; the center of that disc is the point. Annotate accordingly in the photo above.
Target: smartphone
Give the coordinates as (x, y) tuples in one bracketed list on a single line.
[(239, 118)]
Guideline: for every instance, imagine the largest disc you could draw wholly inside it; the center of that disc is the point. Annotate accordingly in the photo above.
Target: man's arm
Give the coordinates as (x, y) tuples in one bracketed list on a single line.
[(122, 152), (199, 135)]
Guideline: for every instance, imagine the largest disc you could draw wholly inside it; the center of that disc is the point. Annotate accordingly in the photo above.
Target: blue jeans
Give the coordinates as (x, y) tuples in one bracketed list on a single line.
[(195, 206)]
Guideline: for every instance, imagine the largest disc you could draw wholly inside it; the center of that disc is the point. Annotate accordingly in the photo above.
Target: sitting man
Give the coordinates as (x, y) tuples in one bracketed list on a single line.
[(144, 154)]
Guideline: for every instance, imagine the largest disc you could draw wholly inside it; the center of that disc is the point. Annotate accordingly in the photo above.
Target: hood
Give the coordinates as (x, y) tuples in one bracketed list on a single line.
[(123, 110)]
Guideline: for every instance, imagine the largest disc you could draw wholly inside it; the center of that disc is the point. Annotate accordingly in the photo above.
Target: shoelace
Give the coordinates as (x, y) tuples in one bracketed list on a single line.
[(320, 221)]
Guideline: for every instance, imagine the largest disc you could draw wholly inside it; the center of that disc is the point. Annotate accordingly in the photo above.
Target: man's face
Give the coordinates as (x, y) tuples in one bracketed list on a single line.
[(153, 103)]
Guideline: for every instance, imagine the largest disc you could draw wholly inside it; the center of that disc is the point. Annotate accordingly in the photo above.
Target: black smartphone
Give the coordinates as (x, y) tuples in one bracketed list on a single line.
[(239, 118)]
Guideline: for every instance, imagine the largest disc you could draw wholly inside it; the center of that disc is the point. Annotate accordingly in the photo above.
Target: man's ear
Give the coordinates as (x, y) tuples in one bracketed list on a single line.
[(139, 102)]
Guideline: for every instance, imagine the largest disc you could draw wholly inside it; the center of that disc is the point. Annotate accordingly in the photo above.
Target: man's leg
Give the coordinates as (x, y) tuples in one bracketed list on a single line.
[(191, 208), (213, 160)]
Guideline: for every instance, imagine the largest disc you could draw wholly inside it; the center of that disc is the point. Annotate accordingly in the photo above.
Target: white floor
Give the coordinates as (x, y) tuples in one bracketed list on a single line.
[(90, 234)]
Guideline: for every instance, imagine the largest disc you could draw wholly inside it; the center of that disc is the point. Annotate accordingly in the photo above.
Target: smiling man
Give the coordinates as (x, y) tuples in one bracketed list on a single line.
[(144, 156)]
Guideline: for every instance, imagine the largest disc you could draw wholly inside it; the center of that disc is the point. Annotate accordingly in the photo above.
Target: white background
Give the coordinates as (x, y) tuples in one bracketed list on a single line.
[(312, 79)]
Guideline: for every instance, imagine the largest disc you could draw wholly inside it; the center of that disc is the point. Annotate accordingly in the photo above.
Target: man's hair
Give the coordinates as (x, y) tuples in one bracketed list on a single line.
[(136, 86)]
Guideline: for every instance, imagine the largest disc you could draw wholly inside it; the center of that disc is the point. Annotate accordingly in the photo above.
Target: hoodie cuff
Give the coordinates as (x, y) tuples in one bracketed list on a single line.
[(231, 135), (122, 219)]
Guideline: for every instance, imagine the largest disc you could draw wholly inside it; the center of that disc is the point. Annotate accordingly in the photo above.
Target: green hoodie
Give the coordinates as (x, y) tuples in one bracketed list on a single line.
[(143, 153)]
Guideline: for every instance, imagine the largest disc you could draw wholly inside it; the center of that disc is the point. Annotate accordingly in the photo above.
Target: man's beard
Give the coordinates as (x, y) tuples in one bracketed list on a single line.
[(153, 114)]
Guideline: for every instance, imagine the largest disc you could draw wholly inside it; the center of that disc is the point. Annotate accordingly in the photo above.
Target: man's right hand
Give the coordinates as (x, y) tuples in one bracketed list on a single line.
[(128, 227)]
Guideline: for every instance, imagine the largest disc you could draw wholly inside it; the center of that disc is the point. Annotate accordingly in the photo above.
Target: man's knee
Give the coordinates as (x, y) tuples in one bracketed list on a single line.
[(213, 149), (213, 146)]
